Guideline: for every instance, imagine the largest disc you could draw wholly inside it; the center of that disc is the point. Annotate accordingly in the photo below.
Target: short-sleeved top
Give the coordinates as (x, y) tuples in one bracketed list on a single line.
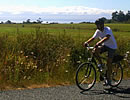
[(111, 42)]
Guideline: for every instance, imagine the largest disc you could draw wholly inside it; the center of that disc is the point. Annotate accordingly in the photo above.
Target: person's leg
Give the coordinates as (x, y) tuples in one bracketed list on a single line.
[(111, 53), (97, 53), (109, 68)]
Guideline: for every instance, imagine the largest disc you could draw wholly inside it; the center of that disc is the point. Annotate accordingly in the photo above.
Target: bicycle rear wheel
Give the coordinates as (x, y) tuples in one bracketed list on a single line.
[(117, 74), (85, 76)]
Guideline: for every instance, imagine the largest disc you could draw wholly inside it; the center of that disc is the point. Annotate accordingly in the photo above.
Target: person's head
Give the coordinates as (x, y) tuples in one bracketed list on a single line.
[(100, 24)]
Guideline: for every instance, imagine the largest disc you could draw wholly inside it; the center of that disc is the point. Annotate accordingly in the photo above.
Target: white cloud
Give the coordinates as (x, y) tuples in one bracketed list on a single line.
[(78, 10), (68, 14)]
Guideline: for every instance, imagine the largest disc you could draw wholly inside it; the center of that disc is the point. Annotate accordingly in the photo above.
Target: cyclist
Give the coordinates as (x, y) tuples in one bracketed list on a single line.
[(107, 43)]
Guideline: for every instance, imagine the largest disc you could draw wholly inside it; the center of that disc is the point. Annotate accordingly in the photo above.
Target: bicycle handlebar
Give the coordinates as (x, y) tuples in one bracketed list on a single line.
[(88, 48), (91, 48)]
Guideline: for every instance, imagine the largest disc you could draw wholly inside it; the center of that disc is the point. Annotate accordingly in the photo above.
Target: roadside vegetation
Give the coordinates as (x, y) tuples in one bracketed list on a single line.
[(49, 53)]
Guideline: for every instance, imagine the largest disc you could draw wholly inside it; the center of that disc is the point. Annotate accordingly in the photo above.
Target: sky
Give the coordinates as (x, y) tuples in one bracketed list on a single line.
[(60, 10)]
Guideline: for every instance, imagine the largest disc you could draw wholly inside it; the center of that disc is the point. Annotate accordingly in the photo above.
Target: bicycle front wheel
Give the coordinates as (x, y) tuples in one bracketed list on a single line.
[(85, 76), (117, 74)]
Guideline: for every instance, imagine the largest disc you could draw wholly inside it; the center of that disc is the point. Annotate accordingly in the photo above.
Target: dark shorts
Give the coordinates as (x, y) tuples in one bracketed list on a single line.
[(111, 52)]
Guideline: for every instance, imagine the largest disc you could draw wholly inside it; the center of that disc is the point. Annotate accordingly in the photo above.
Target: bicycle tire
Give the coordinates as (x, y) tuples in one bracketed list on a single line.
[(117, 75), (88, 80)]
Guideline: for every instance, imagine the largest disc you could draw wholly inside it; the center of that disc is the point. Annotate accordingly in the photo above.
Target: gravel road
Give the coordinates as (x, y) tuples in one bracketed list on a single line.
[(69, 93)]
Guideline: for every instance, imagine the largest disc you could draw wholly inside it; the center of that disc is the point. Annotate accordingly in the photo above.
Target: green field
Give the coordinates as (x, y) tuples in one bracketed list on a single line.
[(49, 53), (74, 30)]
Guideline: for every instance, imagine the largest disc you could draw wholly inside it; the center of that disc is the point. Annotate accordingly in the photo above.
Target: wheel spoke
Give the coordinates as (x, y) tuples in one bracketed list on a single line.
[(82, 81)]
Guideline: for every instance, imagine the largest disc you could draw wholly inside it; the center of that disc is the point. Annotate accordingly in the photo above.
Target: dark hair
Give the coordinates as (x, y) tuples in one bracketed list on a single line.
[(99, 21)]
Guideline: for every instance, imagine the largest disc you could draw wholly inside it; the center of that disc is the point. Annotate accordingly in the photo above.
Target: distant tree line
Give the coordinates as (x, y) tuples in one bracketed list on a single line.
[(118, 17), (28, 21)]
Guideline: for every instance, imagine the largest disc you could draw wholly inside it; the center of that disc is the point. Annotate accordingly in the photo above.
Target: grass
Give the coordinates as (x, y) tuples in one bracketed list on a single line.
[(48, 53)]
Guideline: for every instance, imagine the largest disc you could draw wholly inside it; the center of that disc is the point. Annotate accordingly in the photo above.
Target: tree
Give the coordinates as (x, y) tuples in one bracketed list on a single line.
[(28, 21), (121, 16), (115, 16), (128, 16), (8, 22), (39, 21), (118, 16)]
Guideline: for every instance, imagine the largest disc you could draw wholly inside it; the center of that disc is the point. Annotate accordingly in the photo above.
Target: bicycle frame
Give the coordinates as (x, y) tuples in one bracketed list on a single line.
[(92, 58)]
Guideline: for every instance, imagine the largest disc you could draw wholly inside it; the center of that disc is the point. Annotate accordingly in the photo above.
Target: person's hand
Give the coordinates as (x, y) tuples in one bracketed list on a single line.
[(86, 44), (97, 44)]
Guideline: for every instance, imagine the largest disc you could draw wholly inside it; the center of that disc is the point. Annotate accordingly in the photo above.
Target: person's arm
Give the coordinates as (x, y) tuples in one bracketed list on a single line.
[(87, 42), (96, 35), (103, 40)]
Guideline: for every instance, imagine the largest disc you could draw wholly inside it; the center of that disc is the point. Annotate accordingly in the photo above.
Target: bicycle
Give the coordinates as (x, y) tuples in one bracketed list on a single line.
[(86, 73)]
